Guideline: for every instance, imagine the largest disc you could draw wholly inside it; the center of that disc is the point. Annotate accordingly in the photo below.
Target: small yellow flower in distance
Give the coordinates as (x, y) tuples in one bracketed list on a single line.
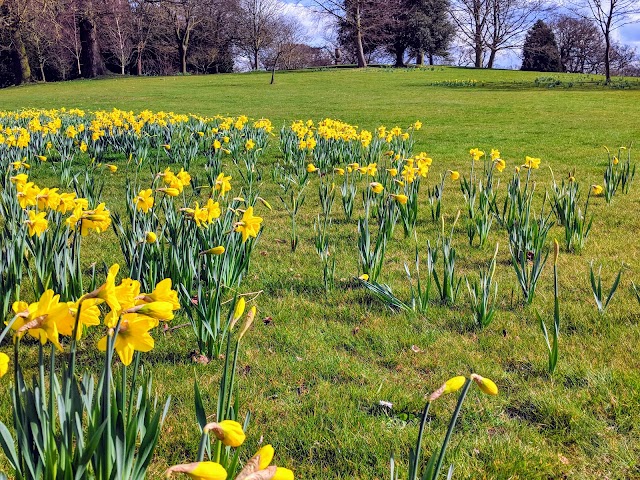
[(495, 154), (615, 160), (249, 144), (42, 158), (364, 277), (151, 237), (392, 171), (476, 153), (454, 175), (166, 146), (216, 144), (4, 364), (596, 190), (486, 385), (338, 171), (312, 168), (199, 471), (229, 432), (376, 187), (400, 198), (112, 168)]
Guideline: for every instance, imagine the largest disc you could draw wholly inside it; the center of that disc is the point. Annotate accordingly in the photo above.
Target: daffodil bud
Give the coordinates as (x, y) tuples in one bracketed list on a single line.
[(151, 237), (199, 471), (248, 322), (229, 432), (219, 250), (4, 366), (486, 385), (556, 251)]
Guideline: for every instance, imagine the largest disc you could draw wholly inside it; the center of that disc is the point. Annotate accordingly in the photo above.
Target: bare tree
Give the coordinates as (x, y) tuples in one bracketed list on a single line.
[(508, 21), (118, 32), (185, 16), (579, 44), (361, 17), (608, 15), (258, 21), (287, 35), (489, 26), (472, 18)]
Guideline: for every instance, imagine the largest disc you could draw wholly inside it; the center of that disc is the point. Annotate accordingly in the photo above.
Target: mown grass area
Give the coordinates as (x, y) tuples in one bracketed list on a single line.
[(314, 375)]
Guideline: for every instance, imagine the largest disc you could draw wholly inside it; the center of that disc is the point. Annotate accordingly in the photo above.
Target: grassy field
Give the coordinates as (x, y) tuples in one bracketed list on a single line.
[(313, 377)]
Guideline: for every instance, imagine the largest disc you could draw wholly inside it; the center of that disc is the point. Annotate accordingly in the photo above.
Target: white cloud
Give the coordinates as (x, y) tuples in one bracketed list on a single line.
[(316, 26)]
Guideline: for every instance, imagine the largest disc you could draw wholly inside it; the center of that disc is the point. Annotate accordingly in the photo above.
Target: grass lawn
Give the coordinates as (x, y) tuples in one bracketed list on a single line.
[(313, 377)]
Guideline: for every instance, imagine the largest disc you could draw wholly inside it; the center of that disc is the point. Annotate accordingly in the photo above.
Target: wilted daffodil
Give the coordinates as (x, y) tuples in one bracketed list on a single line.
[(249, 226), (199, 471)]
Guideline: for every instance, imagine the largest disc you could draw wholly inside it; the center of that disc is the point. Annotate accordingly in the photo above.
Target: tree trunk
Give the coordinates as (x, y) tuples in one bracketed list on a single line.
[(183, 57), (22, 68), (139, 63), (492, 58), (399, 57), (607, 54), (430, 58), (420, 58), (92, 62), (255, 59), (44, 79), (362, 62)]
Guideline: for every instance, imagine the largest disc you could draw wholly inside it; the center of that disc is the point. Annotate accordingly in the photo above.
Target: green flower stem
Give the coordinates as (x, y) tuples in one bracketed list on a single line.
[(452, 424)]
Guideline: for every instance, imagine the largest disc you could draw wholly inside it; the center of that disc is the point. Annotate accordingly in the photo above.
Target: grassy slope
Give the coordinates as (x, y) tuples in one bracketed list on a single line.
[(317, 372)]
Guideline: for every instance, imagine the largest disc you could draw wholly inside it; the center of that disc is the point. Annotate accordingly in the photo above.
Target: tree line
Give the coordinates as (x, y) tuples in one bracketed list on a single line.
[(44, 40)]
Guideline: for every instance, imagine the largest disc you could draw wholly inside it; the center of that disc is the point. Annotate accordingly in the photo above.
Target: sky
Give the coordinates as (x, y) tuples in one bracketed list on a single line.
[(319, 27)]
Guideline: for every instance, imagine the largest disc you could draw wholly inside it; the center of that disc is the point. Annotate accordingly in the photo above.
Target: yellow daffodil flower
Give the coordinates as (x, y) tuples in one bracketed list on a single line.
[(37, 223), (454, 175), (132, 336), (400, 198), (376, 187), (531, 162), (597, 190), (144, 200), (249, 226), (151, 237)]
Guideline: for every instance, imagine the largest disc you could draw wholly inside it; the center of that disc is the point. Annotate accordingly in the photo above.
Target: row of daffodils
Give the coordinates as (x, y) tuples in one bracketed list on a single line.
[(186, 227)]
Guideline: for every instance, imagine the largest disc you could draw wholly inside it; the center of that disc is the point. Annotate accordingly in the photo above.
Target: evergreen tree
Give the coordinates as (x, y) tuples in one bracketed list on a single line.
[(431, 30), (540, 51)]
